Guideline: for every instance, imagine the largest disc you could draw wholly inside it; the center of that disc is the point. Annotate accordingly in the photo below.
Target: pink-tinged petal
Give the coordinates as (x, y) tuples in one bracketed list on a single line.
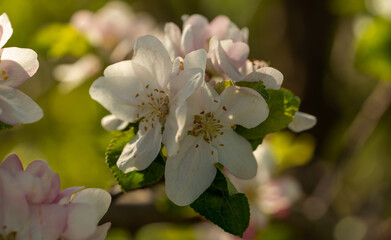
[(17, 65), (5, 29), (195, 59), (112, 123), (195, 33), (174, 128), (142, 150), (235, 153), (222, 62), (243, 106), (45, 222), (172, 39), (236, 51), (16, 107), (82, 221), (100, 233), (50, 180), (65, 195), (150, 53), (32, 186), (302, 121), (204, 99), (99, 199), (12, 164), (219, 26), (271, 77), (14, 209), (189, 173)]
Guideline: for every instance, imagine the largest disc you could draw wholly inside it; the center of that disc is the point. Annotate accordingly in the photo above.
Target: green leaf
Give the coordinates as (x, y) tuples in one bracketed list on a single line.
[(134, 179), (60, 39), (257, 86), (4, 126), (373, 55), (283, 106), (224, 206)]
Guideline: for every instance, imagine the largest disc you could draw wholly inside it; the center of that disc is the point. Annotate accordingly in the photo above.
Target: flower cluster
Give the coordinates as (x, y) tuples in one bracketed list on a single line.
[(16, 66), (33, 207), (172, 92), (112, 31)]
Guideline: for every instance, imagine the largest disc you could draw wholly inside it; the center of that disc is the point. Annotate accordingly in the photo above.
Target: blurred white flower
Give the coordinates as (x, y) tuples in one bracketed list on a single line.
[(16, 66), (73, 74)]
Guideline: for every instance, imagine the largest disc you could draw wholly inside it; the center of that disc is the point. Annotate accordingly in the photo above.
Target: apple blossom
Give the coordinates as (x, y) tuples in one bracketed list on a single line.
[(32, 206), (152, 89), (212, 140), (16, 65), (198, 33)]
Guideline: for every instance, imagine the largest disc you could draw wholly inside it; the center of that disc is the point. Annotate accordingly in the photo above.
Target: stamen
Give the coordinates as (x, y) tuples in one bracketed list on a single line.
[(224, 108)]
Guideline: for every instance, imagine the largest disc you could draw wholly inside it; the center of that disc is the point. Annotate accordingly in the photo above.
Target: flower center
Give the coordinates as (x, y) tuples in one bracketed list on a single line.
[(208, 126), (155, 107), (3, 75)]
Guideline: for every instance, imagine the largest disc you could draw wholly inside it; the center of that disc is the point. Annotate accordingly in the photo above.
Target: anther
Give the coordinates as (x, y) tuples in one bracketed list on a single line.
[(224, 108)]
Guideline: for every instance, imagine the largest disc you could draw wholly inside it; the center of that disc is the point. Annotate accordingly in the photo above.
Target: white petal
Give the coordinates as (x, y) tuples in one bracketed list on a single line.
[(204, 99), (5, 29), (184, 85), (142, 150), (271, 77), (243, 106), (150, 53), (18, 64), (172, 37), (223, 61), (190, 172), (16, 107), (99, 199), (302, 121), (195, 59), (81, 221), (14, 209), (117, 93), (50, 220), (112, 123), (235, 153), (174, 128), (100, 233)]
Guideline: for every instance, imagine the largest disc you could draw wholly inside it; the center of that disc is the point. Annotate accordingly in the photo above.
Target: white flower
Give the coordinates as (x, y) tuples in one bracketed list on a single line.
[(212, 140), (16, 65), (302, 121), (149, 88)]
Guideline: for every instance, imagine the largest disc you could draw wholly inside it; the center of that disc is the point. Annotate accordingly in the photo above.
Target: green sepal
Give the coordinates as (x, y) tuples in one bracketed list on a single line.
[(224, 206), (134, 179)]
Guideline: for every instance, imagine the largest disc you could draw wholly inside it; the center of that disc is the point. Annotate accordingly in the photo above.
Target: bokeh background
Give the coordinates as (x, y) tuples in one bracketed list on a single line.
[(334, 54)]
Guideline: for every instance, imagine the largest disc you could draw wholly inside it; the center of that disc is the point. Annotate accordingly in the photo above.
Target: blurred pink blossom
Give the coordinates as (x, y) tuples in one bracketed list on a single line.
[(32, 206)]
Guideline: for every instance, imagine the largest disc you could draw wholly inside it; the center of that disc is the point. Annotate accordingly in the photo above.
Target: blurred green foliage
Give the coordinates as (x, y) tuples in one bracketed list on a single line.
[(292, 150), (373, 54), (59, 40)]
